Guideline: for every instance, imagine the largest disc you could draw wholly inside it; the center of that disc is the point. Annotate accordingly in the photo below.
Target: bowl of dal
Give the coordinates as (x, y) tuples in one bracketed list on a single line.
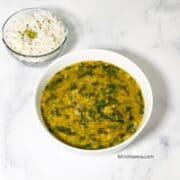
[(93, 101)]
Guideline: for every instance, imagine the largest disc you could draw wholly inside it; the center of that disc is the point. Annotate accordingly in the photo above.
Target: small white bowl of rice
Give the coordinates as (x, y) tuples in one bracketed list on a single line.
[(34, 35)]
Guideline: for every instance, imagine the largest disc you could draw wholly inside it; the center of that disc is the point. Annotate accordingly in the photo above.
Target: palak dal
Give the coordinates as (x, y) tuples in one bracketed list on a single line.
[(92, 105)]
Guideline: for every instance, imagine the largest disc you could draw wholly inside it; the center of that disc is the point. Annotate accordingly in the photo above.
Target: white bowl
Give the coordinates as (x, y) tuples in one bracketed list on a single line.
[(107, 56)]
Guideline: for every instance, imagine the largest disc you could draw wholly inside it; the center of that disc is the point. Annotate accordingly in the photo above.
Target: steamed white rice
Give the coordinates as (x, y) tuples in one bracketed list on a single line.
[(48, 34)]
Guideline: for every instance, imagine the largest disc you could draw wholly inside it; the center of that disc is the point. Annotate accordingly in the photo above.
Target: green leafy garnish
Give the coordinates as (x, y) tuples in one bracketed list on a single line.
[(64, 130), (28, 32)]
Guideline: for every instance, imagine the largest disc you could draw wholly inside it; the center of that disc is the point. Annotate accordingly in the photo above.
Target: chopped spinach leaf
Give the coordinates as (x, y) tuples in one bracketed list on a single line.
[(110, 69), (64, 130), (73, 86)]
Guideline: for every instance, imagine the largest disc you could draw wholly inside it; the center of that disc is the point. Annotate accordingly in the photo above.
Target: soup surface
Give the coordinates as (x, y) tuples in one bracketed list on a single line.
[(92, 105)]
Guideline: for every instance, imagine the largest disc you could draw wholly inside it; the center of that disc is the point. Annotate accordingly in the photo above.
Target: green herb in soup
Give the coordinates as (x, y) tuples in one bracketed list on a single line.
[(92, 105)]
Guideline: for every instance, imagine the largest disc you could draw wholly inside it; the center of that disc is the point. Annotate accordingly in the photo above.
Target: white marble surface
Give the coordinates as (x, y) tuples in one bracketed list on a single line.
[(148, 32)]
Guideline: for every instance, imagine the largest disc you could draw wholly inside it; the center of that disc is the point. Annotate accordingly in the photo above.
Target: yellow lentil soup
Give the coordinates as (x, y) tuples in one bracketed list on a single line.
[(92, 105)]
